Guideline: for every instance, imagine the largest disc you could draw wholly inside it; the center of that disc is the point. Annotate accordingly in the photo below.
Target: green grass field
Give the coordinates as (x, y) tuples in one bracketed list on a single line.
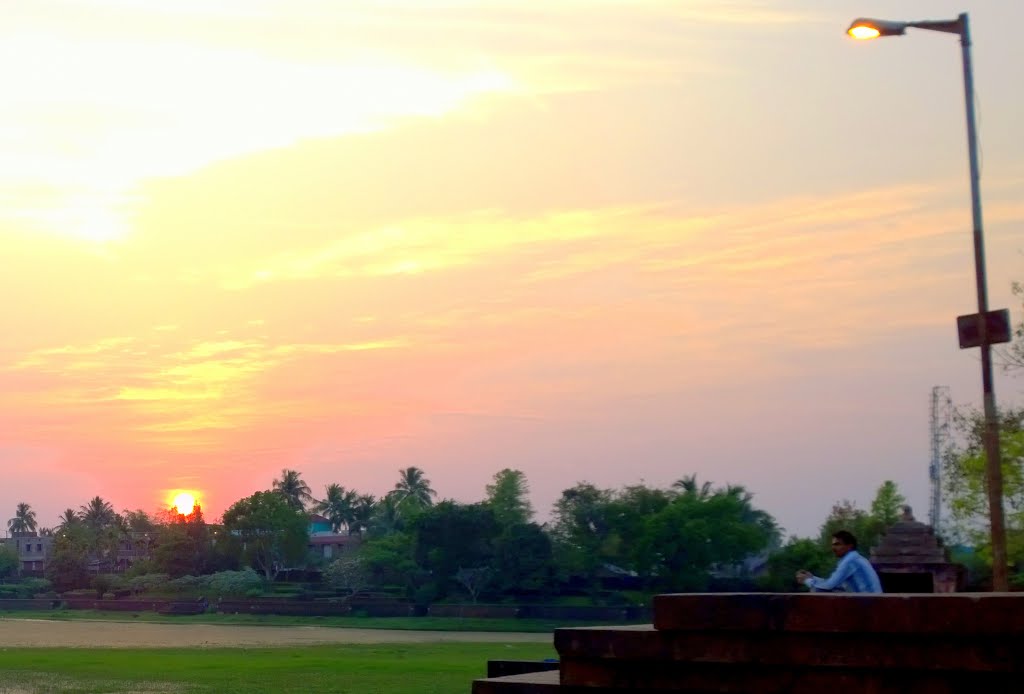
[(415, 623), (364, 669)]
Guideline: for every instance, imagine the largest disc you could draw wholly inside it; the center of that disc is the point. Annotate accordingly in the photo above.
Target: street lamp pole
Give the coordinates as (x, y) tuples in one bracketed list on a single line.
[(868, 29), (993, 469)]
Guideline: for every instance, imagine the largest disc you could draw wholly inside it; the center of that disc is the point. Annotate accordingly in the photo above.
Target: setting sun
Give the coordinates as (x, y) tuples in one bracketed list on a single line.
[(184, 503)]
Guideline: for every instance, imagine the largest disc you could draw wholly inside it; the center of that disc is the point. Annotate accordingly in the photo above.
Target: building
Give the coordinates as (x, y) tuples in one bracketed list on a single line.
[(33, 551), (326, 544)]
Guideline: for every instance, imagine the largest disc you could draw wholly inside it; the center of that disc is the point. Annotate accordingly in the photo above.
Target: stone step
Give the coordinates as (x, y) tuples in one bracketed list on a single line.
[(529, 683), (634, 648), (727, 678)]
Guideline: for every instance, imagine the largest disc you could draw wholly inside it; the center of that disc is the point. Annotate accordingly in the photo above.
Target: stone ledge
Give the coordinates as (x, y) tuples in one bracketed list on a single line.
[(952, 614)]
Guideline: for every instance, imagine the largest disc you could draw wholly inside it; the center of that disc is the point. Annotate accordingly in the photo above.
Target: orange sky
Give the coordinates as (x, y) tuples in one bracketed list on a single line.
[(604, 240)]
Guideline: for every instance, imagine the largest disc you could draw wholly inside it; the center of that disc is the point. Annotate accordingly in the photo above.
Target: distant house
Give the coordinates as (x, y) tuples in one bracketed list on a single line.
[(326, 544), (33, 550)]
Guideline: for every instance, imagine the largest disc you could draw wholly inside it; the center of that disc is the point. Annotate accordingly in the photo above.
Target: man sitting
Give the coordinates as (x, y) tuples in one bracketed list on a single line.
[(853, 575)]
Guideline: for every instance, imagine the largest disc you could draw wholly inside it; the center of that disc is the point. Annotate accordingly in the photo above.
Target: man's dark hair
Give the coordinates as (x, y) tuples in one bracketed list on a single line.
[(846, 537)]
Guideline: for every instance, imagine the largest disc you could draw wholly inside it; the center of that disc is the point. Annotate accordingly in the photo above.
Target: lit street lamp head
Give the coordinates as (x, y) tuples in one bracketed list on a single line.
[(864, 28)]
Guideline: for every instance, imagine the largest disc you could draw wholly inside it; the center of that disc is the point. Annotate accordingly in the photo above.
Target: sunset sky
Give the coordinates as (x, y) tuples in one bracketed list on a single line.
[(618, 241)]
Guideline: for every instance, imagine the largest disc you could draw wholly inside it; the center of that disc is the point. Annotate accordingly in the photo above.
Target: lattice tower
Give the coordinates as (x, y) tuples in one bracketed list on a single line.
[(941, 422)]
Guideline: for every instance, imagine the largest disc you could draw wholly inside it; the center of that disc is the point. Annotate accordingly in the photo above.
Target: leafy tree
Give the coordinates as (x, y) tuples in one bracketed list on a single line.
[(67, 567), (338, 506), (581, 529), (523, 562), (389, 560), (796, 554), (846, 516), (413, 488), (182, 547), (694, 534), (474, 580), (887, 506), (1013, 356), (272, 531), (965, 477), (138, 521), (294, 489), (24, 520), (10, 562), (451, 536), (347, 574), (508, 497)]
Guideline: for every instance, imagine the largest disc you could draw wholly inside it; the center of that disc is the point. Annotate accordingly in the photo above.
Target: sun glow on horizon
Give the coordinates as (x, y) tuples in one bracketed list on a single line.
[(184, 502)]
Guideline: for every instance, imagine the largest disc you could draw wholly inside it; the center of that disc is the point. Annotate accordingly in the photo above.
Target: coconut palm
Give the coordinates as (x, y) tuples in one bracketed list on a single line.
[(294, 489), (412, 487), (24, 520), (97, 514), (338, 506), (68, 519), (689, 487), (362, 512)]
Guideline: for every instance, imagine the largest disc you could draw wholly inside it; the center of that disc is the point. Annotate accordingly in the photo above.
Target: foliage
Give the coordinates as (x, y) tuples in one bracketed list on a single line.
[(389, 559), (338, 506), (183, 545), (67, 567), (293, 489), (272, 531), (102, 583), (234, 583), (509, 498), (25, 588), (10, 562), (846, 516), (449, 536), (966, 488), (887, 506), (347, 574), (797, 554), (695, 534), (24, 520), (523, 561), (474, 579), (413, 489)]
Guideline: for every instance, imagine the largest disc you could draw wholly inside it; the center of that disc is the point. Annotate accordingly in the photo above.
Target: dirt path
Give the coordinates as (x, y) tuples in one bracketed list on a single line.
[(99, 634)]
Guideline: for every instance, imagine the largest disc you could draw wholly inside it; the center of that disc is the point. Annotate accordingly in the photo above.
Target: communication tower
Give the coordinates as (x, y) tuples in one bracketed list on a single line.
[(941, 423)]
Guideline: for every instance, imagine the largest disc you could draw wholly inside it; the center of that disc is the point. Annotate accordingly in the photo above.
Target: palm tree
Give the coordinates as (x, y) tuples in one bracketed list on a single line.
[(24, 520), (413, 487), (338, 506), (294, 489), (97, 514), (68, 519), (688, 486), (362, 512)]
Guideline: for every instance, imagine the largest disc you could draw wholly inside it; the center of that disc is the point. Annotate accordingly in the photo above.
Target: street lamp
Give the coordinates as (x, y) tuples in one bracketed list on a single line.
[(984, 328)]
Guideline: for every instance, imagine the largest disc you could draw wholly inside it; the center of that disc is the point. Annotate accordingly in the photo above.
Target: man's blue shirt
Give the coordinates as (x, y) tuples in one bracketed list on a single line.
[(853, 575)]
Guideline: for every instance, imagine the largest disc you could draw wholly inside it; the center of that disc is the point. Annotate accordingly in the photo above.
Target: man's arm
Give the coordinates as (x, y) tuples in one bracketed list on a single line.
[(838, 577)]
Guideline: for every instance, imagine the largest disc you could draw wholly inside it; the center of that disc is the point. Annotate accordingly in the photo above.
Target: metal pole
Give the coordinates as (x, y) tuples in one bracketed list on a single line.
[(993, 467)]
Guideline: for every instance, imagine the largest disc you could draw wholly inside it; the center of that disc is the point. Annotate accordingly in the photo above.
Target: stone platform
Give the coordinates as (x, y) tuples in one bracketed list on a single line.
[(795, 643)]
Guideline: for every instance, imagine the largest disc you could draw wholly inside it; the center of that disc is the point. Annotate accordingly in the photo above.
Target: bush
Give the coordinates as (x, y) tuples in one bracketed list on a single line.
[(102, 583), (235, 583), (147, 582)]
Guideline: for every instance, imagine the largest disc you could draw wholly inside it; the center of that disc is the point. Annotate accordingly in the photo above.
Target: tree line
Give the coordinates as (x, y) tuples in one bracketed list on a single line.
[(600, 544)]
